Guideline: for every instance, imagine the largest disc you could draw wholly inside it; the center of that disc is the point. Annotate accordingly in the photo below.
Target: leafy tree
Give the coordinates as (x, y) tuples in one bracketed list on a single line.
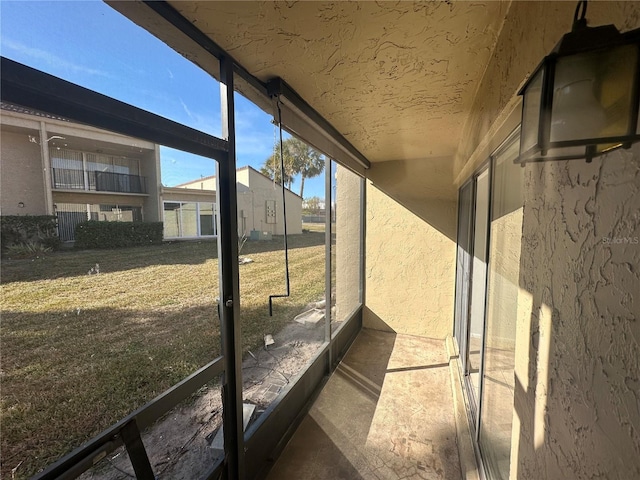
[(311, 205), (299, 159)]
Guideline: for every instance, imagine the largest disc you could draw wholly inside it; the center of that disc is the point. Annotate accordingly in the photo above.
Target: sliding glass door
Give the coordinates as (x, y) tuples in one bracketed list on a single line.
[(471, 276), (475, 332), (489, 238), (502, 309)]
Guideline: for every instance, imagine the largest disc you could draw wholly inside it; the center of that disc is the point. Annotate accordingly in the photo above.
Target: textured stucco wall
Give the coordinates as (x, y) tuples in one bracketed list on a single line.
[(577, 405), (254, 189), (410, 267), (21, 178), (421, 60), (253, 203), (348, 245), (188, 195)]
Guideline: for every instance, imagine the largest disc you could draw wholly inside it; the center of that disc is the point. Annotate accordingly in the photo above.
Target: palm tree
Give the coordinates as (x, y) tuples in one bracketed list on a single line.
[(272, 167), (299, 159)]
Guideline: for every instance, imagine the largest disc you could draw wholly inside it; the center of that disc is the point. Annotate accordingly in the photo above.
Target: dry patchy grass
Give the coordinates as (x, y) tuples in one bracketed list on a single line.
[(81, 351)]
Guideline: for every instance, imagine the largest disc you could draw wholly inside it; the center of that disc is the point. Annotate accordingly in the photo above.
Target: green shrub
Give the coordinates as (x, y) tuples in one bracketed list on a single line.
[(18, 230), (93, 234)]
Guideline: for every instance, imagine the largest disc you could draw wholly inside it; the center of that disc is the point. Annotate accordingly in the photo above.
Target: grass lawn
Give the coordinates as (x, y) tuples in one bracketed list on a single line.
[(81, 351)]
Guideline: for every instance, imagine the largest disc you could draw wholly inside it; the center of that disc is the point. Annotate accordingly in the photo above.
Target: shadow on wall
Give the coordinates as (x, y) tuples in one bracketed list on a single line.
[(373, 321), (424, 187)]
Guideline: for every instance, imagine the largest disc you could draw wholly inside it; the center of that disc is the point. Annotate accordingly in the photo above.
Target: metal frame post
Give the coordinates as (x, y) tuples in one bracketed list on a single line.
[(230, 283), (137, 453), (327, 249)]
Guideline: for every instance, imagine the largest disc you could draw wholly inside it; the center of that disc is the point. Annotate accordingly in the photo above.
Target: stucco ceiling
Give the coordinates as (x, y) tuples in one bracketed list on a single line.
[(395, 78)]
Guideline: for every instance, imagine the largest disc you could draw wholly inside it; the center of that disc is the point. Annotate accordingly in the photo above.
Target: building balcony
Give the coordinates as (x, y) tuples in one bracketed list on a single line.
[(68, 179)]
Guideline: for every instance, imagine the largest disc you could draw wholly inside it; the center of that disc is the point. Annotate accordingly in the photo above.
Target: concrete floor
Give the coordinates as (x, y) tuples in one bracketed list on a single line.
[(386, 413)]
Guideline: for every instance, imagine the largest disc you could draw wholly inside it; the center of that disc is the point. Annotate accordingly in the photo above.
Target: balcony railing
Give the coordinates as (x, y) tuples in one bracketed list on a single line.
[(68, 179)]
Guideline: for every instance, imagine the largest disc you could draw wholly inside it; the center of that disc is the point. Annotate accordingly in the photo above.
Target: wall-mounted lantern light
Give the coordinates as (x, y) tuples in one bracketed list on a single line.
[(582, 101)]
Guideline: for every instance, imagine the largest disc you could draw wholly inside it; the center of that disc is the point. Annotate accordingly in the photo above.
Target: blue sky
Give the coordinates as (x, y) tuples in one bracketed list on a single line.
[(90, 44)]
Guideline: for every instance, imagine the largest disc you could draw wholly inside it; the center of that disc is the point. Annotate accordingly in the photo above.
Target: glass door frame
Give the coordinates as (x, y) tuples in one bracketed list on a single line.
[(464, 289), (463, 275), (514, 136)]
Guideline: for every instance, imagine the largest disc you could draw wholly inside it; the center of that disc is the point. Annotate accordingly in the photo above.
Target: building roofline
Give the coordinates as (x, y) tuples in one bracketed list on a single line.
[(14, 108), (196, 191), (270, 179), (194, 181), (245, 167)]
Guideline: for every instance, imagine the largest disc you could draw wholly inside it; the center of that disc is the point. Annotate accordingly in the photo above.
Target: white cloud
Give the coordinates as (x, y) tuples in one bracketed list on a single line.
[(50, 58), (186, 109)]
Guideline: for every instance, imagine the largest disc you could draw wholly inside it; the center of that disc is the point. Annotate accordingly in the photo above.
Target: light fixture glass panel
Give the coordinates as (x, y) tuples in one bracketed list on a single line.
[(531, 112), (566, 153), (591, 96)]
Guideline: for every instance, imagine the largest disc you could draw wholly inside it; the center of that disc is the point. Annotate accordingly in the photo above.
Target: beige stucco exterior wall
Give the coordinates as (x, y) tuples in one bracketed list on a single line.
[(99, 198), (150, 168), (577, 399), (25, 168), (187, 195), (253, 204), (348, 248), (242, 176), (410, 267), (21, 175), (206, 183), (576, 411), (254, 189)]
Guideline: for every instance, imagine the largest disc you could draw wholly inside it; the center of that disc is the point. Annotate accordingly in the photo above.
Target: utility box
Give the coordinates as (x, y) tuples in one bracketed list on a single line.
[(259, 235), (271, 211)]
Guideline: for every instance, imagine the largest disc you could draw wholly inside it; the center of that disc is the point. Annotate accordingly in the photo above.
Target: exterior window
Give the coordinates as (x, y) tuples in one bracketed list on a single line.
[(67, 169), (207, 219), (189, 219)]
